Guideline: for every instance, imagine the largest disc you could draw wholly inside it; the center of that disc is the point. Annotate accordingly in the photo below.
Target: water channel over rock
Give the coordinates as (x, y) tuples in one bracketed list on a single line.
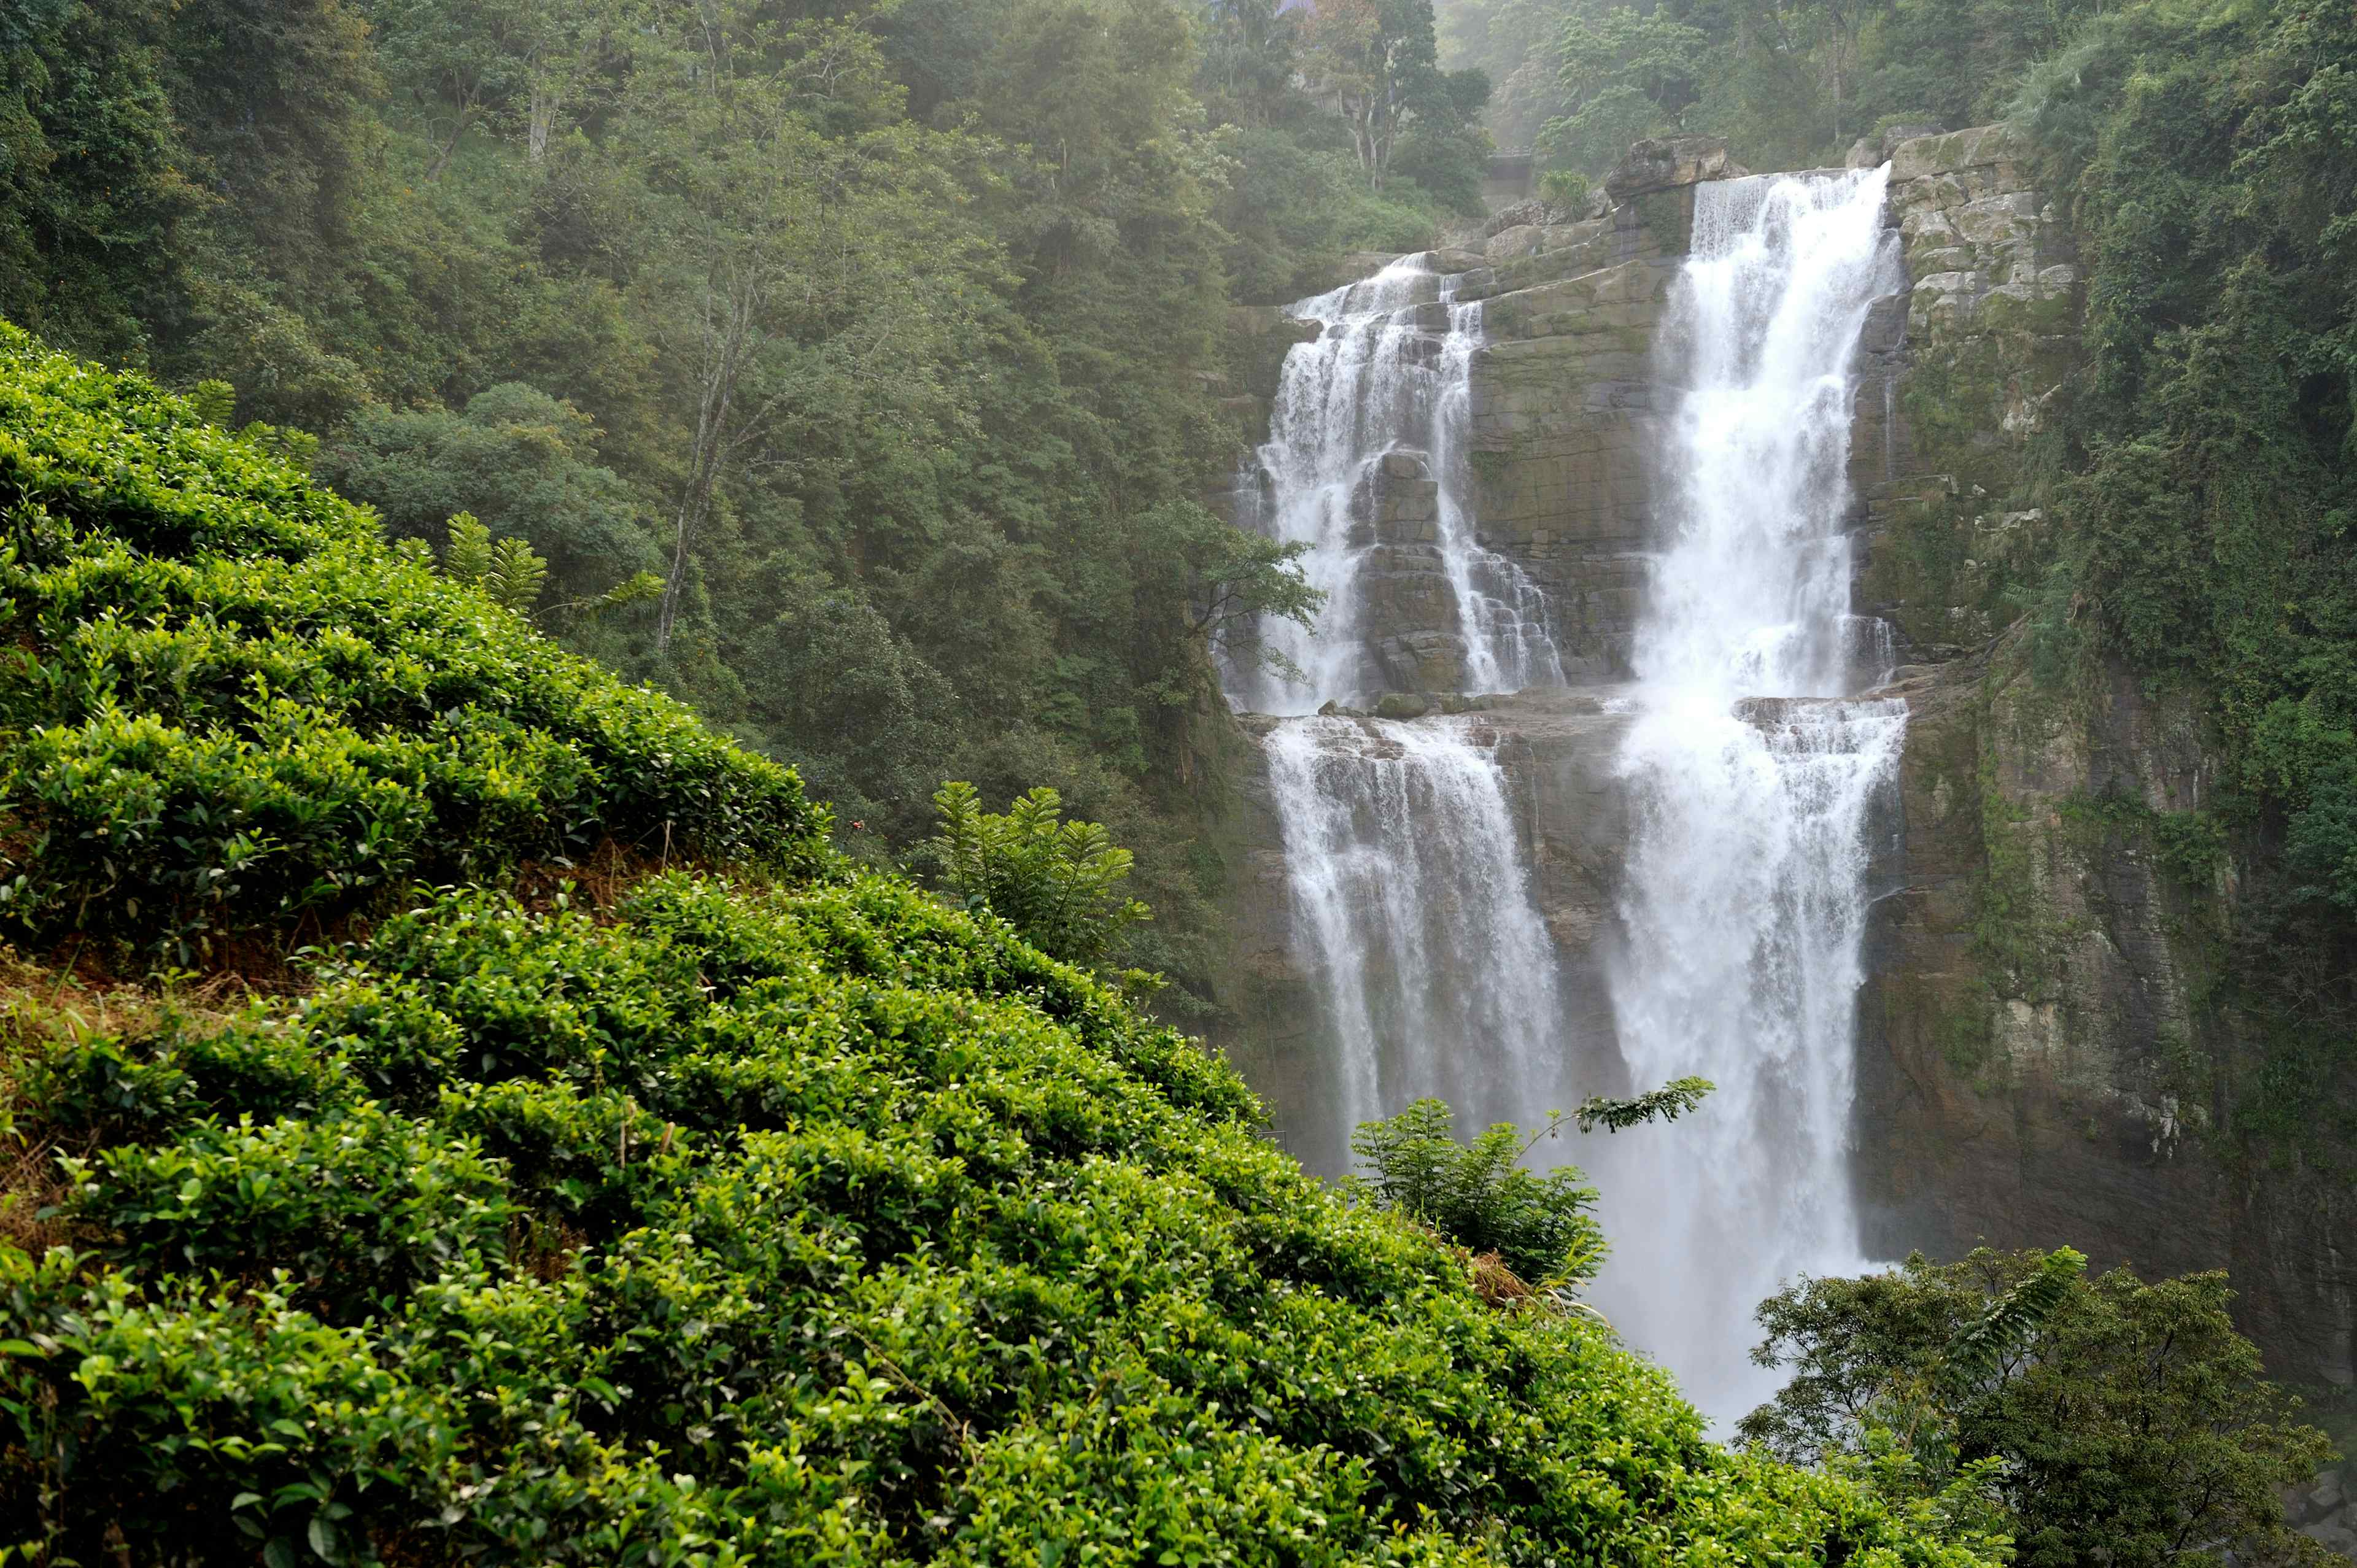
[(1746, 777)]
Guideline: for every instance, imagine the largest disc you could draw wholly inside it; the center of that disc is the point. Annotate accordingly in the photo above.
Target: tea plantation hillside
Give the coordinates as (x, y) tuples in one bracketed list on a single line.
[(757, 1210)]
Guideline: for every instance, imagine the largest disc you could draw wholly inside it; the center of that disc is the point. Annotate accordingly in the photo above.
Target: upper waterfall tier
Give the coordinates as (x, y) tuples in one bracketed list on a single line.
[(1368, 466)]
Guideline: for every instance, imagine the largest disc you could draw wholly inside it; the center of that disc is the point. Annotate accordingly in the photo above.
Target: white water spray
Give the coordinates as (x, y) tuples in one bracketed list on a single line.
[(1390, 376), (1409, 886), (1411, 896), (1753, 783)]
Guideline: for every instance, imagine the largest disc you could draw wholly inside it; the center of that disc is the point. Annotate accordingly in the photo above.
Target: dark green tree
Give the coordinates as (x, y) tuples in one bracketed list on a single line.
[(2129, 1423), (523, 462), (1624, 75)]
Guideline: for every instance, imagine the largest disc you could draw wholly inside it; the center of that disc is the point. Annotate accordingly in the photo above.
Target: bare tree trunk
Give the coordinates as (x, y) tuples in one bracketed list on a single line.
[(545, 102), (728, 338), (465, 118)]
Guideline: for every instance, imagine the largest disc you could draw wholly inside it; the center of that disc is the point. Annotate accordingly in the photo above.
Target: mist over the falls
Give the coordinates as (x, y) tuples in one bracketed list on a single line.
[(1749, 773)]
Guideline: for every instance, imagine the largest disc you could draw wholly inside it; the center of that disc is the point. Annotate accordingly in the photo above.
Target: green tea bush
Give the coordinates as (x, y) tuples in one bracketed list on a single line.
[(791, 1219), (229, 704), (788, 1225)]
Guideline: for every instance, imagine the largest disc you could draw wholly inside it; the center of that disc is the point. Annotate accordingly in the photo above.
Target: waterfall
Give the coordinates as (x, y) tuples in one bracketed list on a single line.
[(1753, 776), (1368, 465), (1409, 885), (1410, 892)]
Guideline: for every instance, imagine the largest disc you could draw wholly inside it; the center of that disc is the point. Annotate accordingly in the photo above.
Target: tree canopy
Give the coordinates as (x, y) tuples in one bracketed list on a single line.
[(2108, 1419)]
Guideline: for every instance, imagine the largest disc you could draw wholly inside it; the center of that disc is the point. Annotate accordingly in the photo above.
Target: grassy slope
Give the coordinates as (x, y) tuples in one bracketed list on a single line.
[(764, 1212)]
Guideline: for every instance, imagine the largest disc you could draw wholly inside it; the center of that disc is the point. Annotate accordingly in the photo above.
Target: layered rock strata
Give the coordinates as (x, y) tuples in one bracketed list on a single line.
[(1557, 748)]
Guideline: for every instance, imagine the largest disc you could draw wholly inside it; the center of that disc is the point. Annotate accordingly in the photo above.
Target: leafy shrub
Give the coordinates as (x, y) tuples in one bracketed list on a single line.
[(230, 705), (352, 1206), (1564, 190), (1058, 883), (797, 1225), (1479, 1196)]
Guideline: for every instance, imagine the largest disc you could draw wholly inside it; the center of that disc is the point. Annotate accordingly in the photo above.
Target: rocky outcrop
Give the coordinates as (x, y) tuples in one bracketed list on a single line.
[(1404, 579), (1667, 162), (1951, 400), (2028, 1051)]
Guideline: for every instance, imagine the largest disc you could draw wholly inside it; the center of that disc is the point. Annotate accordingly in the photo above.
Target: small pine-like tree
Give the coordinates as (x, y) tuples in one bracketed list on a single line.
[(1056, 882), (1479, 1195), (506, 570)]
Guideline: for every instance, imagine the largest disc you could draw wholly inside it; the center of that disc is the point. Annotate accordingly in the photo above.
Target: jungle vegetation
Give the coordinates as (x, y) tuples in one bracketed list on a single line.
[(462, 1108)]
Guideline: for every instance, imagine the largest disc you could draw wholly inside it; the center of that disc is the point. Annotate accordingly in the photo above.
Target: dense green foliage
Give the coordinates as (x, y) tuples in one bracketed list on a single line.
[(785, 1215), (829, 312), (1791, 83), (230, 707), (2129, 1423)]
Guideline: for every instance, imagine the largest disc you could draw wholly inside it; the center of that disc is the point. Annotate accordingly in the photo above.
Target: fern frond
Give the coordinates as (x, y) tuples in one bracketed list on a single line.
[(516, 575), (215, 401), (1975, 1352), (636, 589)]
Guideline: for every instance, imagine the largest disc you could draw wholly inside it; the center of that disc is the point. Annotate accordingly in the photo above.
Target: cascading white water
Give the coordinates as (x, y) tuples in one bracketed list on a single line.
[(1409, 885), (1753, 782), (1410, 892), (1390, 375)]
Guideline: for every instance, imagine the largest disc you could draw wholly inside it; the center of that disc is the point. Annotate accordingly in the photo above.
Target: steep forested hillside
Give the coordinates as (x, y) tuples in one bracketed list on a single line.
[(664, 1190), (889, 334)]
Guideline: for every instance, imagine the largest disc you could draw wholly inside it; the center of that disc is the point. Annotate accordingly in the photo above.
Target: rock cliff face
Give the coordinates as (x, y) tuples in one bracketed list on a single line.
[(2036, 1050), (2033, 1035)]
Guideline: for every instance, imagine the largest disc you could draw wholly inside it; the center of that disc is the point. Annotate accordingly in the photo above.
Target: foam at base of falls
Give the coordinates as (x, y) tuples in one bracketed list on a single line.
[(1753, 788), (1410, 884), (1745, 909)]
